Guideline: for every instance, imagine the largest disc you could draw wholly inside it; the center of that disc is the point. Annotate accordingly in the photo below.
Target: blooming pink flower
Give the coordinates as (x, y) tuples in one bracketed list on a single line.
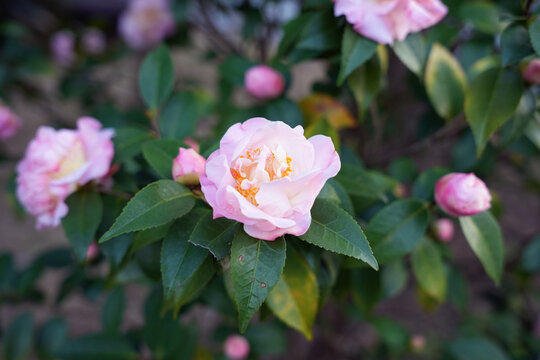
[(236, 347), (62, 46), (532, 72), (145, 23), (94, 41), (385, 21), (9, 123), (56, 162), (444, 229), (267, 175), (461, 194), (263, 82), (188, 166)]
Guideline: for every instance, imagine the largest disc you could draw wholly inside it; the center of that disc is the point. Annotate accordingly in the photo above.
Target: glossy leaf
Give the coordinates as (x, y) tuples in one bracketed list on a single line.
[(256, 266), (424, 185), (285, 110), (160, 153), (155, 205), (429, 270), (214, 234), (128, 142), (491, 99), (534, 34), (82, 221), (445, 82), (156, 77), (179, 116), (397, 229), (355, 51), (412, 52), (333, 229), (18, 338), (483, 15), (485, 238), (295, 297), (515, 44)]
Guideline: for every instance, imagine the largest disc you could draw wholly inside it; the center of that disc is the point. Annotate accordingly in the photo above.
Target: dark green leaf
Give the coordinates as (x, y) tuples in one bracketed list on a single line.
[(214, 234), (160, 153), (428, 268), (150, 236), (515, 127), (534, 34), (394, 276), (256, 266), (17, 341), (355, 51), (128, 142), (82, 221), (515, 45), (365, 284), (476, 348), (52, 335), (412, 52), (392, 334), (179, 116), (97, 346), (457, 289), (284, 110), (156, 77), (113, 310), (424, 186), (530, 259), (483, 15)]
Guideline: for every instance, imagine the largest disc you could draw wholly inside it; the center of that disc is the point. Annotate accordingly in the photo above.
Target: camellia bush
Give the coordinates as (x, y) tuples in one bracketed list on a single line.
[(283, 215)]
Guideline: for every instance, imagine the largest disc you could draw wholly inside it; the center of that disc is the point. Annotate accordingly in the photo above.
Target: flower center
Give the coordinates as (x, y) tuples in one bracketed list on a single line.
[(257, 166), (71, 162)]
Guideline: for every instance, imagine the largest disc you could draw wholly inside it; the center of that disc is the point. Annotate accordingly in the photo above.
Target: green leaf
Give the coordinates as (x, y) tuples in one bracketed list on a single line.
[(365, 285), (491, 99), (323, 127), (179, 116), (285, 110), (160, 153), (333, 191), (515, 45), (515, 127), (128, 142), (355, 50), (445, 82), (457, 289), (483, 15), (52, 335), (424, 185), (485, 238), (113, 310), (394, 276), (256, 266), (156, 77), (267, 339), (234, 68), (397, 229), (412, 52), (155, 205), (428, 268), (18, 338), (333, 229), (476, 348), (150, 236), (295, 297), (185, 268), (392, 334), (530, 259), (97, 346), (534, 34), (214, 234), (82, 221)]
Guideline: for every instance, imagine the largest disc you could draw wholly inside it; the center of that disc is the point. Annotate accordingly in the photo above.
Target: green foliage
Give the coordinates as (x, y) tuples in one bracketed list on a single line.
[(17, 340), (429, 270), (412, 53), (160, 153), (355, 51), (97, 346), (214, 235), (179, 116), (156, 77), (113, 310)]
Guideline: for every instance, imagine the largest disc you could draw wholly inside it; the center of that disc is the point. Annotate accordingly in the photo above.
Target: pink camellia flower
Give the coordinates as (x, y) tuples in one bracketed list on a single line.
[(145, 23), (236, 347), (9, 123), (56, 162), (267, 176), (94, 41), (188, 166), (461, 194), (444, 229), (532, 72), (63, 47), (263, 82), (385, 21)]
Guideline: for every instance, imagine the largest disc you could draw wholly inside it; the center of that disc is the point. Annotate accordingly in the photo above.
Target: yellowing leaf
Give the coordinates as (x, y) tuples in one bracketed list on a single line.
[(318, 106)]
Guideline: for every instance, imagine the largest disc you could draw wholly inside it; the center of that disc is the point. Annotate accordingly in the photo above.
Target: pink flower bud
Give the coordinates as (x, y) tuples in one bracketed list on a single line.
[(263, 82), (418, 343), (461, 194), (94, 41), (63, 47), (9, 123), (92, 252), (532, 72), (188, 166), (444, 229), (236, 347)]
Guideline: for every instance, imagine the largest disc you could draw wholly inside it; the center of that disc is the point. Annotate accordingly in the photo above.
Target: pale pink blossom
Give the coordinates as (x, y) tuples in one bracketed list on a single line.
[(188, 166), (267, 175), (94, 41), (236, 347), (9, 123), (532, 72), (461, 194), (146, 23), (385, 21), (56, 163), (263, 82), (92, 252), (62, 46), (444, 229)]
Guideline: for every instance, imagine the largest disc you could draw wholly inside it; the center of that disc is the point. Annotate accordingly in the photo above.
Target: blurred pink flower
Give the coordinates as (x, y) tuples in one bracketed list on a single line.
[(263, 82), (56, 162), (9, 123), (385, 21), (444, 229), (267, 175), (63, 47), (532, 72), (461, 194), (188, 166), (236, 347), (145, 23), (418, 343), (92, 252), (94, 41)]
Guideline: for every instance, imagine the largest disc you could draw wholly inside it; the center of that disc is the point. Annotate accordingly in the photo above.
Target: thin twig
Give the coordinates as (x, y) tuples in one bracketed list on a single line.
[(214, 31)]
